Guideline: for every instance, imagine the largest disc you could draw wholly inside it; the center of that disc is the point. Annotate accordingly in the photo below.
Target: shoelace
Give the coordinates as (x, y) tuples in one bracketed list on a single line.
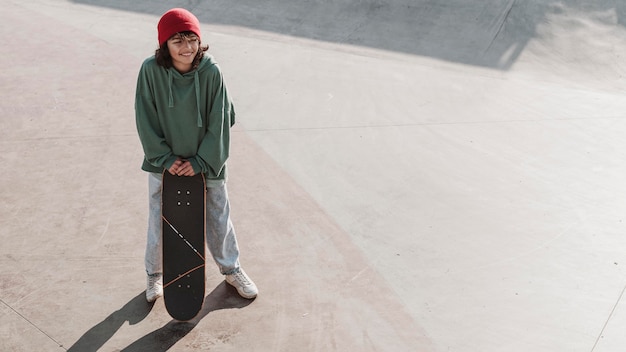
[(241, 278), (154, 279)]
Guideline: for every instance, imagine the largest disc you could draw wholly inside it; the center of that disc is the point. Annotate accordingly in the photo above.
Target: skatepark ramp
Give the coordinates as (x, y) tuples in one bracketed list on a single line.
[(491, 33)]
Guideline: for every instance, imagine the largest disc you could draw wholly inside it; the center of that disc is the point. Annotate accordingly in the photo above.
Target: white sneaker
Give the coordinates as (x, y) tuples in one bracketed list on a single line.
[(155, 287), (245, 287)]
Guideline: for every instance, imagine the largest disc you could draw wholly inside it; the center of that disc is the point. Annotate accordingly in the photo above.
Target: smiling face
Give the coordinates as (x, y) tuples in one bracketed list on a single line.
[(183, 48)]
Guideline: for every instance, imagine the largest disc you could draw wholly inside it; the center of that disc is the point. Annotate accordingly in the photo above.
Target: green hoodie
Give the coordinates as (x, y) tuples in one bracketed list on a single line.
[(184, 115)]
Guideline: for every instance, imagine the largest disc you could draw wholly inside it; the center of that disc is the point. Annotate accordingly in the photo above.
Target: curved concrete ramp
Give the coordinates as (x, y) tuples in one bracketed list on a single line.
[(405, 176), (490, 33)]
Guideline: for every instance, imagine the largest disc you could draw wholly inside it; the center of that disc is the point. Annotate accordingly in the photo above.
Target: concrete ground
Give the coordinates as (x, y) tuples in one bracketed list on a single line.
[(405, 176)]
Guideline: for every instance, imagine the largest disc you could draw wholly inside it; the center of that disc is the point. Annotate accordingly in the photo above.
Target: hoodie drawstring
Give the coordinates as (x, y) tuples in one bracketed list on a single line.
[(169, 81), (196, 82)]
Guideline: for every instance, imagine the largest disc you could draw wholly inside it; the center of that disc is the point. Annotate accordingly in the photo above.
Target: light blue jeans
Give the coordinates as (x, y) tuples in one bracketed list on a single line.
[(220, 234)]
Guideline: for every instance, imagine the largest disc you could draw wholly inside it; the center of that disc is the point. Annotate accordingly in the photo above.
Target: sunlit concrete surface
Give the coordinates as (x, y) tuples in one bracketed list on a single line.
[(405, 176)]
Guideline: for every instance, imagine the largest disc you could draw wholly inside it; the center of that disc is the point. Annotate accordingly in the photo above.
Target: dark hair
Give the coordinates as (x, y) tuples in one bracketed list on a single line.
[(164, 59)]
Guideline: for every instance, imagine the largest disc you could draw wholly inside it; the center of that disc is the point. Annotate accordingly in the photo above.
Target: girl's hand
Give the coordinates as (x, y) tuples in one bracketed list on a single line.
[(185, 169), (174, 169)]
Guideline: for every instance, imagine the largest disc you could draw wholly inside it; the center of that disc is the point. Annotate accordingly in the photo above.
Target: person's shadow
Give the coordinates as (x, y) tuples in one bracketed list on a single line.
[(222, 297)]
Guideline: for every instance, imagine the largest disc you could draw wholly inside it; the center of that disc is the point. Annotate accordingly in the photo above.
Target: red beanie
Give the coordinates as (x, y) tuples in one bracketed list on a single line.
[(176, 21)]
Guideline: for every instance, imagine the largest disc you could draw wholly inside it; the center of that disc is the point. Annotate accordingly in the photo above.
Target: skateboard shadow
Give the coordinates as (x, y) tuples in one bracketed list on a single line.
[(223, 296), (132, 312)]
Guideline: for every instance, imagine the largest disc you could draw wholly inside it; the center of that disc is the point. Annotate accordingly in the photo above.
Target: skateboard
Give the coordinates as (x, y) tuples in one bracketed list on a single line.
[(183, 216)]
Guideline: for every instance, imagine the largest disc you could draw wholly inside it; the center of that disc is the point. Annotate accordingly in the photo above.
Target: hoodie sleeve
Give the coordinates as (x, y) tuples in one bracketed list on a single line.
[(214, 147), (156, 150)]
